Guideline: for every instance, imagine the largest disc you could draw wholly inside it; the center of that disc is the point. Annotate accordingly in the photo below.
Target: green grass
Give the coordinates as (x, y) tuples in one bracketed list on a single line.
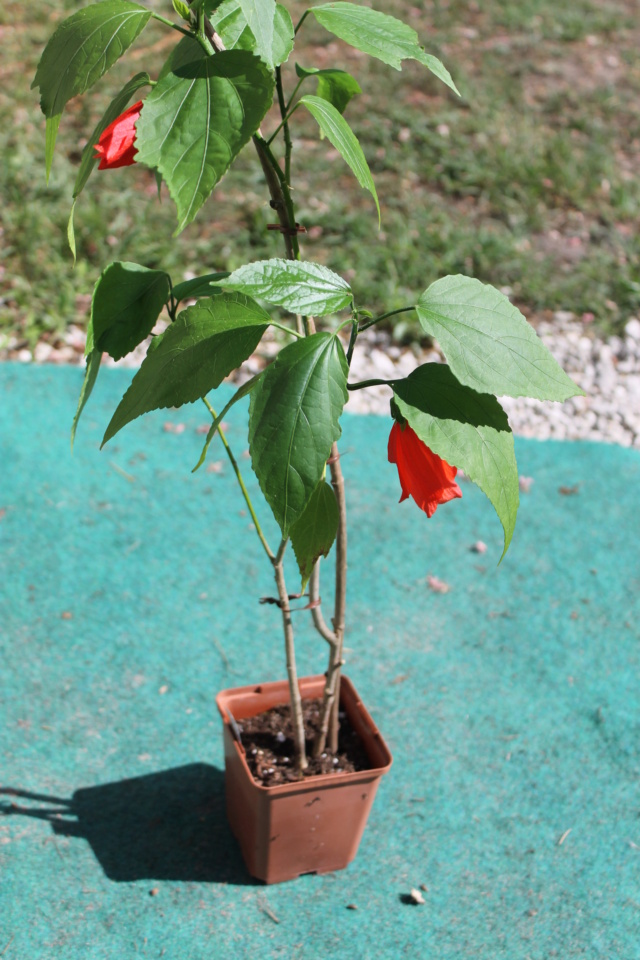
[(529, 181)]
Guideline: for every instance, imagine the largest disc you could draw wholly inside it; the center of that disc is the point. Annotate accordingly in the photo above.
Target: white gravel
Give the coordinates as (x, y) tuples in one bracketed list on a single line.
[(608, 372)]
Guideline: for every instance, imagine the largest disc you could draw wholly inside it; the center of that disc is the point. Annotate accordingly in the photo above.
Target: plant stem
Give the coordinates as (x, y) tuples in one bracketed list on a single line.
[(384, 316), (328, 730), (285, 329), (301, 20), (352, 339), (292, 673), (295, 90), (170, 23), (316, 611), (288, 146), (245, 492), (281, 201), (361, 384), (280, 196)]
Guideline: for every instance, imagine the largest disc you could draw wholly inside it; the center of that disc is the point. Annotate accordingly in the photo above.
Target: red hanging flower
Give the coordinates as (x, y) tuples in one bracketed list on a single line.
[(423, 475), (115, 148)]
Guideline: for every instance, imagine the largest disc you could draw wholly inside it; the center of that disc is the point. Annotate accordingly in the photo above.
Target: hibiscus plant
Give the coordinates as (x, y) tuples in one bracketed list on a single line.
[(231, 71)]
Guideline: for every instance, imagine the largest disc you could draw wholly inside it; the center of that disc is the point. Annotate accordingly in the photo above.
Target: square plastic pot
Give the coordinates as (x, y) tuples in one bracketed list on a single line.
[(310, 826)]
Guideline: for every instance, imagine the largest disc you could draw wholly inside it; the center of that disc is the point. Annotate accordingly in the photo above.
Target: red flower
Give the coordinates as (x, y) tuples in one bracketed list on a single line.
[(115, 148), (423, 475)]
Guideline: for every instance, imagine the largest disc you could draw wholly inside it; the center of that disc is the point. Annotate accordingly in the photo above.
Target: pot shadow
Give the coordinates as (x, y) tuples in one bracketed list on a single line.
[(170, 825)]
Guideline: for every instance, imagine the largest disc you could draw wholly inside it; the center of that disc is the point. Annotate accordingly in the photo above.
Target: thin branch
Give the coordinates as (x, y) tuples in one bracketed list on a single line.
[(361, 384), (301, 20), (328, 728), (174, 26), (352, 339), (281, 326), (316, 612), (385, 316), (245, 492), (292, 673)]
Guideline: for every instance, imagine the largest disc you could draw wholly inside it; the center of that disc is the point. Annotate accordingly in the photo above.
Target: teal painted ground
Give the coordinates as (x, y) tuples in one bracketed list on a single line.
[(511, 704)]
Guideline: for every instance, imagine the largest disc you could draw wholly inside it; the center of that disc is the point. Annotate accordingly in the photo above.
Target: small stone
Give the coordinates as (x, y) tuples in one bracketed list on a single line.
[(479, 547), (632, 329), (437, 585)]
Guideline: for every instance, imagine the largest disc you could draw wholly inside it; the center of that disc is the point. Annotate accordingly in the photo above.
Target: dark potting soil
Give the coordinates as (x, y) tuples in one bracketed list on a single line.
[(268, 742)]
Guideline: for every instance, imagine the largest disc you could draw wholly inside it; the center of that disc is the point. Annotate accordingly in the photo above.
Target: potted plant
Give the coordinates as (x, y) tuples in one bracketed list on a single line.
[(229, 71)]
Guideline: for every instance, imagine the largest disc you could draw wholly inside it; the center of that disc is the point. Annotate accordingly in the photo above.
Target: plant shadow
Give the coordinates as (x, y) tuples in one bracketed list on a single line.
[(170, 825)]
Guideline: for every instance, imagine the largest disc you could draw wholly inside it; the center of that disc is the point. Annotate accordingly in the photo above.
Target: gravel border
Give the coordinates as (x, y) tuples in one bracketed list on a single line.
[(608, 372)]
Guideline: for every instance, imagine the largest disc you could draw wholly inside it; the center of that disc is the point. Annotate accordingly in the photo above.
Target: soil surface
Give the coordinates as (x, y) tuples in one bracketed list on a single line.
[(268, 742)]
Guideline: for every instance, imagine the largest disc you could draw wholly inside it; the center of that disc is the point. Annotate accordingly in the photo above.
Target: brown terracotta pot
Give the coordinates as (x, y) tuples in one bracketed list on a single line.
[(310, 826)]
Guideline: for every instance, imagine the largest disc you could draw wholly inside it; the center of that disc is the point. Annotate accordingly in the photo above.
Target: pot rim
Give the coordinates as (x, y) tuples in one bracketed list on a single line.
[(314, 782)]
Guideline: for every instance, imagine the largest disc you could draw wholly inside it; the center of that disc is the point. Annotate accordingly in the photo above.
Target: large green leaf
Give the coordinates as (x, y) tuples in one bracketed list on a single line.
[(232, 26), (336, 86), (80, 51), (488, 343), (90, 376), (293, 421), (338, 131), (467, 429), (313, 534), (193, 356), (115, 108), (297, 285), (379, 35), (127, 300), (197, 119)]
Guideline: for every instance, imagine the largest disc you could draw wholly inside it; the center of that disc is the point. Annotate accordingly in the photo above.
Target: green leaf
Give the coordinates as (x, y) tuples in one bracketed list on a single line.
[(241, 392), (488, 343), (467, 429), (205, 286), (127, 301), (283, 36), (231, 24), (193, 356), (379, 35), (337, 130), (71, 233), (80, 51), (438, 69), (115, 108), (90, 377), (196, 120), (312, 536), (260, 15), (51, 132), (297, 285), (187, 51), (182, 9), (336, 86), (293, 421)]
